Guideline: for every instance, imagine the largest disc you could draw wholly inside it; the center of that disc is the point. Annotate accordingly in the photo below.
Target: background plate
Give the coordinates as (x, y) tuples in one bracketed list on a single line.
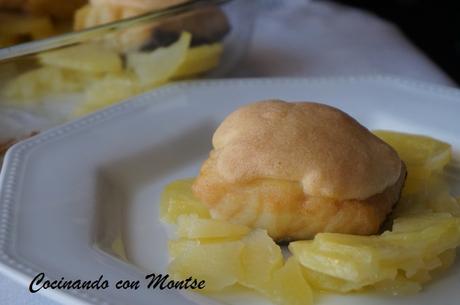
[(70, 196)]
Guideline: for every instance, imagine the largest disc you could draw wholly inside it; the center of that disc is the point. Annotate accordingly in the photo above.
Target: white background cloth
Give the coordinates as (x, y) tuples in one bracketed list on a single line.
[(303, 38), (318, 38)]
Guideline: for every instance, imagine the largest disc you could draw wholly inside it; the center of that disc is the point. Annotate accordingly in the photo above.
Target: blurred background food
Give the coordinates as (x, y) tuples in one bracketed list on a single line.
[(26, 20), (206, 25), (96, 12), (117, 65), (51, 8), (86, 66), (93, 67)]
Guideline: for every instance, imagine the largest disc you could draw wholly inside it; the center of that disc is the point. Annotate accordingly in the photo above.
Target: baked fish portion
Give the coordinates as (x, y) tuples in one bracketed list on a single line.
[(297, 169)]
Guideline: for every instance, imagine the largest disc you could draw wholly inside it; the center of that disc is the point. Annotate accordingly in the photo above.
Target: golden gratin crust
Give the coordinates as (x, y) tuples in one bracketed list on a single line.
[(328, 151)]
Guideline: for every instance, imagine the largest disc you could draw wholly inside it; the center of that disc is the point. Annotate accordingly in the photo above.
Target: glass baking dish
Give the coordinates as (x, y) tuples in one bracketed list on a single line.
[(47, 82)]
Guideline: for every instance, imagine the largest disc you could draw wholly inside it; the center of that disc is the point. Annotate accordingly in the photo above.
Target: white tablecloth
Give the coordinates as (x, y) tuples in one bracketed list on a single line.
[(303, 38), (320, 38)]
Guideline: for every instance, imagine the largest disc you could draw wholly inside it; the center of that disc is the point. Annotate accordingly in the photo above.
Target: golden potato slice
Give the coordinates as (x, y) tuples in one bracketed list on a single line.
[(33, 84), (156, 67), (428, 242), (369, 249), (429, 195), (199, 60), (326, 282), (87, 57), (439, 198), (192, 227), (260, 257), (447, 259), (288, 286), (396, 248), (391, 250), (422, 155), (178, 246), (107, 91), (419, 222), (337, 264), (177, 199), (219, 264), (398, 286), (412, 250)]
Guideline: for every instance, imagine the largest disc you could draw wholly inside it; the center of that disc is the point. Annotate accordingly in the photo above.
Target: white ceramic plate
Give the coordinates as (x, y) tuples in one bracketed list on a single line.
[(70, 193)]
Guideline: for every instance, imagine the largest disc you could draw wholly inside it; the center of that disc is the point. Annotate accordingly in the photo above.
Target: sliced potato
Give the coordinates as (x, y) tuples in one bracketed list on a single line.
[(419, 222), (398, 286), (107, 91), (432, 195), (87, 57), (406, 255), (447, 259), (439, 198), (418, 150), (427, 242), (178, 246), (199, 60), (364, 248), (326, 282), (288, 286), (219, 264), (261, 256), (334, 264), (422, 154), (156, 67), (31, 85), (177, 199)]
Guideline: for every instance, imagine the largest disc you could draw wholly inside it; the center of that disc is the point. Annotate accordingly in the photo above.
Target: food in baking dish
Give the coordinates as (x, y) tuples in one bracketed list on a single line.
[(125, 62)]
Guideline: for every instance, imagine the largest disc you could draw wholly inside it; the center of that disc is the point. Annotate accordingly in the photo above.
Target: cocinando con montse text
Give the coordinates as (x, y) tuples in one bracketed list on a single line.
[(150, 281)]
